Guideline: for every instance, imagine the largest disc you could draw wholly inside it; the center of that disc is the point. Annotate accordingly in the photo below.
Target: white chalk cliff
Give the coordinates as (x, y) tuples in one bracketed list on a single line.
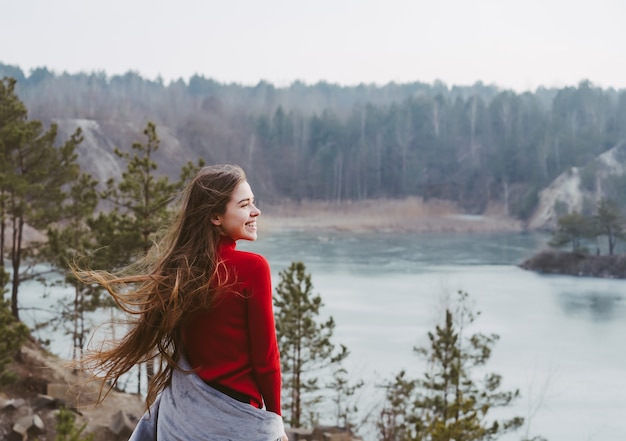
[(568, 191)]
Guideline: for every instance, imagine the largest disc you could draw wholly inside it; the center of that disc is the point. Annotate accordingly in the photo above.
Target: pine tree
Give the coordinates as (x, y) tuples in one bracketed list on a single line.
[(609, 223), (71, 240), (66, 429), (343, 392), (12, 114), (395, 415), (448, 403), (34, 174), (13, 332), (141, 199), (572, 228), (304, 342), (141, 203)]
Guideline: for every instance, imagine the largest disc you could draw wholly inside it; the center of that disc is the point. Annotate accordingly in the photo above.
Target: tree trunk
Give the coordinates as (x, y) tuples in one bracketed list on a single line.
[(611, 238), (75, 331), (16, 260), (2, 232)]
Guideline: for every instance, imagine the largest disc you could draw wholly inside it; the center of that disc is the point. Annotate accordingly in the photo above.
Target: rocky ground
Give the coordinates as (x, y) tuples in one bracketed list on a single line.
[(40, 374), (45, 383)]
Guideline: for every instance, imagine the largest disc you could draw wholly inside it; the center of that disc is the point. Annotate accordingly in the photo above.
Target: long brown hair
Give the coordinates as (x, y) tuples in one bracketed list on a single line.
[(178, 276)]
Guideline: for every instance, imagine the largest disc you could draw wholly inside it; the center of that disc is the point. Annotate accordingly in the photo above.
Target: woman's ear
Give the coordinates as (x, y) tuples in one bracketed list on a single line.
[(216, 220)]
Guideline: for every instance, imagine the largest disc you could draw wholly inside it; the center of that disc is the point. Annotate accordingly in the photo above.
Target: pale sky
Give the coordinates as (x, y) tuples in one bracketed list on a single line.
[(514, 44)]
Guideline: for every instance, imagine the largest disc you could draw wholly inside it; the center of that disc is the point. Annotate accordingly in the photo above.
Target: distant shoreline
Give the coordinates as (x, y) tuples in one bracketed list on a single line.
[(409, 215), (385, 215)]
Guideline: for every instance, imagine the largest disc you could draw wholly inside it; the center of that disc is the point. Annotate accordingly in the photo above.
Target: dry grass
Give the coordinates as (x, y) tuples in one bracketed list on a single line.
[(405, 215)]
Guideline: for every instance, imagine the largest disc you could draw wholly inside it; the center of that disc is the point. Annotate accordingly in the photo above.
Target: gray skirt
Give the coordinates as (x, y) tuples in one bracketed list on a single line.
[(189, 409)]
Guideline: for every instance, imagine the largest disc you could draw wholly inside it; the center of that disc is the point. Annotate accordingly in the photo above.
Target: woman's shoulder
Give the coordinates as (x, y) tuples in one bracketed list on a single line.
[(253, 260)]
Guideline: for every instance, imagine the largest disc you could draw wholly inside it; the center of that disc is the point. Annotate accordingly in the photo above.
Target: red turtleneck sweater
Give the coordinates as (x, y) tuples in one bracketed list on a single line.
[(234, 343)]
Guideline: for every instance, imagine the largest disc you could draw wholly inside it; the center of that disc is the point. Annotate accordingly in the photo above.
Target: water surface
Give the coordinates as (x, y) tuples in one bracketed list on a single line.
[(561, 337)]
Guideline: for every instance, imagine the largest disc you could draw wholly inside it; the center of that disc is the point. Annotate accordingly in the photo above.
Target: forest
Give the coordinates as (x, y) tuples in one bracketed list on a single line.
[(470, 144)]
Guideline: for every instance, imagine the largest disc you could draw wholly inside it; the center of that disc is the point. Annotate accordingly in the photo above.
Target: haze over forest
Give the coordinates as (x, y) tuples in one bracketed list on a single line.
[(473, 145)]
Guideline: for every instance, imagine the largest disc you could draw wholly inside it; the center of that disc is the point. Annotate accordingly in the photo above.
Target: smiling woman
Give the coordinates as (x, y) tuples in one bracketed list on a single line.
[(239, 219), (203, 311)]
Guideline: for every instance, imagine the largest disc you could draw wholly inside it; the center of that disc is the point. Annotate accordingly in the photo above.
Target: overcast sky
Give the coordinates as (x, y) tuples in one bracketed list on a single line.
[(511, 43)]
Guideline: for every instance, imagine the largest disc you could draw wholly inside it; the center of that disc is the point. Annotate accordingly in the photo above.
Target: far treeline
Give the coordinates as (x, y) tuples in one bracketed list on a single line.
[(472, 144), (42, 186)]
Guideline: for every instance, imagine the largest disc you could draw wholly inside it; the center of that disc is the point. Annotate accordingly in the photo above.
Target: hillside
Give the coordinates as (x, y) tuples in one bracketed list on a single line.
[(580, 188), (574, 189), (96, 152), (45, 383), (476, 146), (42, 374)]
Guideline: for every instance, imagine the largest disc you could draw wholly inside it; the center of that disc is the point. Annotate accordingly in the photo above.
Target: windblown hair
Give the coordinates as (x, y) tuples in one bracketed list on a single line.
[(177, 277)]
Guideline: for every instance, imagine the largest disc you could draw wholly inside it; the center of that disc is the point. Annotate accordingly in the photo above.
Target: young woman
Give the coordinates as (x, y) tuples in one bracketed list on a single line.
[(203, 310)]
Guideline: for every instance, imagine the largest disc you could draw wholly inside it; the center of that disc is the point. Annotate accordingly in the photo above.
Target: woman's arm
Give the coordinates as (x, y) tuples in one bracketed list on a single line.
[(262, 333)]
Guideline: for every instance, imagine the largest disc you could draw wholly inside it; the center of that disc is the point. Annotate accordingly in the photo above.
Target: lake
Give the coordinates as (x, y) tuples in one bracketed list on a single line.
[(561, 337)]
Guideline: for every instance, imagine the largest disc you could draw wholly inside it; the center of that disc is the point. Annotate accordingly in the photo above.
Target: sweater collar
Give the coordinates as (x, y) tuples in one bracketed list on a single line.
[(226, 243)]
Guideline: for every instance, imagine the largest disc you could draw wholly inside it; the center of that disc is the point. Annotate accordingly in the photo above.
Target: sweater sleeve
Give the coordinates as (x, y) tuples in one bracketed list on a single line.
[(263, 345)]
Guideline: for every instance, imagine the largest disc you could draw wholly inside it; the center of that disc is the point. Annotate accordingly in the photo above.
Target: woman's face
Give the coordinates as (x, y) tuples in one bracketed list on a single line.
[(239, 219)]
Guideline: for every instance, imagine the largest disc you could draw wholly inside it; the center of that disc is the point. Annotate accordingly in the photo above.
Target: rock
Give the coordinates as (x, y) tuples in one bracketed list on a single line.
[(121, 426), (332, 433), (321, 433), (63, 394), (38, 424), (19, 432), (43, 400), (28, 425), (299, 434), (66, 388), (13, 404)]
